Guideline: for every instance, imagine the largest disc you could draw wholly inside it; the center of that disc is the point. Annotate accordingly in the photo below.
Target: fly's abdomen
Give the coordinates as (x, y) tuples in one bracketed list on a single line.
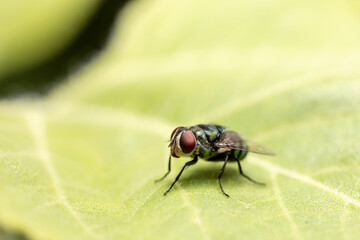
[(239, 154), (233, 155)]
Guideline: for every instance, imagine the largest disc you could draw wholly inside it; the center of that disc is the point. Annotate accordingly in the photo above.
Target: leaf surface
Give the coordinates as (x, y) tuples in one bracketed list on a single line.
[(81, 163)]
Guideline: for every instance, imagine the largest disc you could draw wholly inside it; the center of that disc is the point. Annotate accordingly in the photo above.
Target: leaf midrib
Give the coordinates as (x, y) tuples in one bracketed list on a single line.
[(36, 124)]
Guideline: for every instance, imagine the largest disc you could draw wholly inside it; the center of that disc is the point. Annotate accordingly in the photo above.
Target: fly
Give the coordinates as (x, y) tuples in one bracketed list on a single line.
[(211, 143)]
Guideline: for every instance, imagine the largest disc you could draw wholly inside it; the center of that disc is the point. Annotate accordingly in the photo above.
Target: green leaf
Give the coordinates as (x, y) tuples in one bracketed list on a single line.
[(81, 163)]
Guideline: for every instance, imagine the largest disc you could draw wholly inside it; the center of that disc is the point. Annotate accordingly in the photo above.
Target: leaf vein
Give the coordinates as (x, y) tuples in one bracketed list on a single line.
[(275, 169), (36, 123), (196, 213), (343, 216), (283, 207), (237, 104)]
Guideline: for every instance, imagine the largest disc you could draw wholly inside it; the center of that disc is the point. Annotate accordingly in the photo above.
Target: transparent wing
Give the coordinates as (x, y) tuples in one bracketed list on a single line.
[(232, 141), (255, 147)]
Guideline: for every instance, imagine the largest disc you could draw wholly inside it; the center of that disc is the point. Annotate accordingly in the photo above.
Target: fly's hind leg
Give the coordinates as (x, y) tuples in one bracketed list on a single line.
[(247, 177), (220, 175)]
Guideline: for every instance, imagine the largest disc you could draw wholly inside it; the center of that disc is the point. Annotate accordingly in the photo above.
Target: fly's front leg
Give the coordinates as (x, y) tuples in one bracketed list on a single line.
[(192, 162), (247, 177), (221, 173), (169, 169)]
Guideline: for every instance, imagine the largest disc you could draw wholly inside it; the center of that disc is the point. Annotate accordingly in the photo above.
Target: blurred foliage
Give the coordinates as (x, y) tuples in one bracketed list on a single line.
[(33, 31), (57, 50), (10, 235), (285, 74)]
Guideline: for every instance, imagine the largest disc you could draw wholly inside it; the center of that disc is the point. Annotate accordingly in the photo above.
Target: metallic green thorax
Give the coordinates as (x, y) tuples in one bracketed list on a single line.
[(206, 135)]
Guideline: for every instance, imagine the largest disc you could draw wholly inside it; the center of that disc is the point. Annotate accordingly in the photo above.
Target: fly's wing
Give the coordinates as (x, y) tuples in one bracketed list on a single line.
[(232, 140), (257, 148)]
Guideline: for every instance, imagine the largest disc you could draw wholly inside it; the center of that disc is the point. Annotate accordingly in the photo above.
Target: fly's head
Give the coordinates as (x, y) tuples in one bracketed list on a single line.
[(182, 142)]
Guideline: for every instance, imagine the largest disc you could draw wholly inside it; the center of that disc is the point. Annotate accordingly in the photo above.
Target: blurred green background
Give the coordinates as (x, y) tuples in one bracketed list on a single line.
[(91, 91), (44, 42)]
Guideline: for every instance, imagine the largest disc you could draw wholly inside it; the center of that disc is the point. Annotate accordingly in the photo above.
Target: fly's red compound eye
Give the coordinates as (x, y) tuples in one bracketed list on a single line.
[(187, 141)]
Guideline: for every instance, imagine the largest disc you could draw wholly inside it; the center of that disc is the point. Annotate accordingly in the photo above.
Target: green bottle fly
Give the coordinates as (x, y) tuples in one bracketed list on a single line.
[(211, 143)]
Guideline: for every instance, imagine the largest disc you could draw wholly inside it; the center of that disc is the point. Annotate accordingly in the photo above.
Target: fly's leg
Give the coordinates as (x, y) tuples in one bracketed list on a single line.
[(192, 162), (247, 177), (221, 173), (169, 169)]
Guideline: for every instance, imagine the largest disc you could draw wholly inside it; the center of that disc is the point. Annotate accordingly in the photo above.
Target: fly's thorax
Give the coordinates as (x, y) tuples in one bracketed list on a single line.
[(207, 133)]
